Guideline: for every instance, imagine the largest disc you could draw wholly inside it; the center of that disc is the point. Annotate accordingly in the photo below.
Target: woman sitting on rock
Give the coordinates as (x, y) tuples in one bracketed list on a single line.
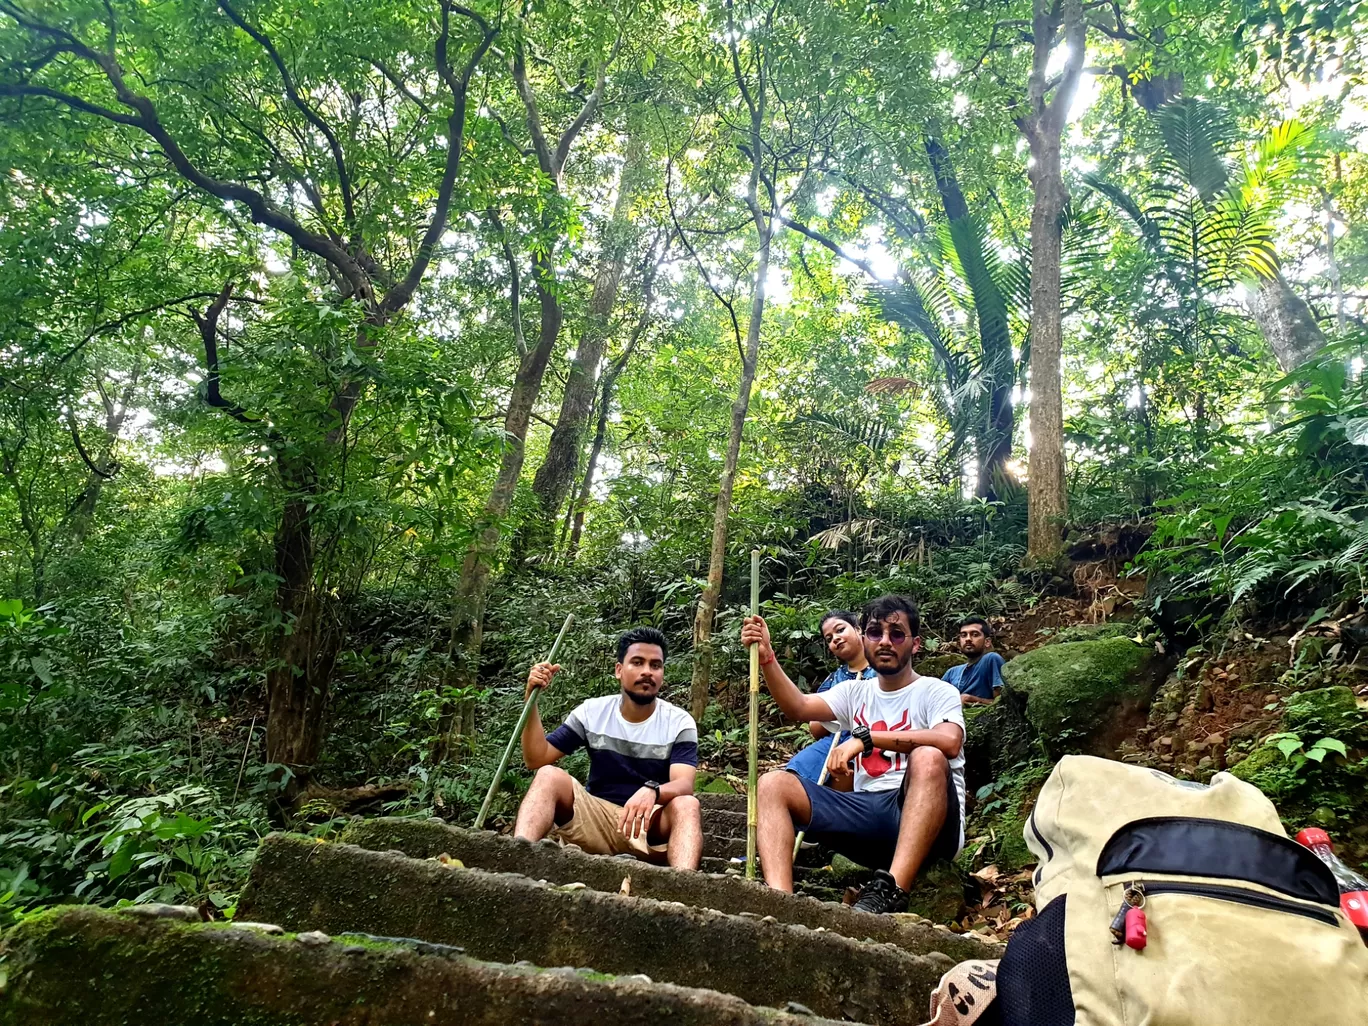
[(842, 636)]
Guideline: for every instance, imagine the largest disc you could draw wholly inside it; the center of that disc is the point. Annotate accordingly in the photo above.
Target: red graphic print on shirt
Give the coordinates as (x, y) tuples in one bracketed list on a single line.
[(877, 763)]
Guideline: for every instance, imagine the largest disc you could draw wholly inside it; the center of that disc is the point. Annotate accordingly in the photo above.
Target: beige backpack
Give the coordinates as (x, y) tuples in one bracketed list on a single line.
[(1242, 924)]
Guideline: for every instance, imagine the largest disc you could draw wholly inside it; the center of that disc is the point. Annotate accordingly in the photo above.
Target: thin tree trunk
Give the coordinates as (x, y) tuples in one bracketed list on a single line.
[(1286, 322), (581, 503), (712, 592), (1043, 126), (467, 624), (555, 476)]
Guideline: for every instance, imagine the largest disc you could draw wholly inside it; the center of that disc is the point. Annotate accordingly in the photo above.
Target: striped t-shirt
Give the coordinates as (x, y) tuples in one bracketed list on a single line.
[(624, 755)]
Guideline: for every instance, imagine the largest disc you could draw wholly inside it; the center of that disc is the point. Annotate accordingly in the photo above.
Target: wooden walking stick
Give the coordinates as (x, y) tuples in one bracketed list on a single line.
[(517, 731), (821, 779), (752, 750)]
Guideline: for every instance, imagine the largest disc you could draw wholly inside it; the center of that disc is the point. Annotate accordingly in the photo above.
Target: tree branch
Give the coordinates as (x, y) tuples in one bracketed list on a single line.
[(515, 277), (586, 112), (207, 323), (264, 41), (397, 297), (263, 210), (107, 473)]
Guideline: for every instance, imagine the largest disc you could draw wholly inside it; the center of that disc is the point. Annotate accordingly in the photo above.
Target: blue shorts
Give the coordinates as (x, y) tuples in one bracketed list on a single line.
[(808, 762), (863, 825)]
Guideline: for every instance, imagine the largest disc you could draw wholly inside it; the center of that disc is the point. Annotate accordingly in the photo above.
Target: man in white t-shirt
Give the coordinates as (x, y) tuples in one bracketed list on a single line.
[(907, 753)]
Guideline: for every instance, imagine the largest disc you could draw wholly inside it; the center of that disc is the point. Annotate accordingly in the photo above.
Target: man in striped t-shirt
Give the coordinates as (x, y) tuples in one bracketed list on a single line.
[(643, 755)]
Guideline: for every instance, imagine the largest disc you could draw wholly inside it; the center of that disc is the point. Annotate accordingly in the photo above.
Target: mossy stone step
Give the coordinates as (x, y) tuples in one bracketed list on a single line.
[(426, 838), (306, 885), (99, 968)]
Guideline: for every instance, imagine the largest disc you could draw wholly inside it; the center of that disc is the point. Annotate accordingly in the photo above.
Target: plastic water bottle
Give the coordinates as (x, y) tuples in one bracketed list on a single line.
[(1353, 887)]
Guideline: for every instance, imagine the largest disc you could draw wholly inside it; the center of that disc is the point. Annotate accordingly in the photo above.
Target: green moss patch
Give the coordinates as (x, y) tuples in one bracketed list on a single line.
[(1080, 692)]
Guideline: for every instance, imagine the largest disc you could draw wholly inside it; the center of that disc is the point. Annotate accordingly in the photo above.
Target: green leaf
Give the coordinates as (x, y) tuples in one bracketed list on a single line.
[(1288, 745), (42, 668), (122, 862), (1329, 744), (1356, 430)]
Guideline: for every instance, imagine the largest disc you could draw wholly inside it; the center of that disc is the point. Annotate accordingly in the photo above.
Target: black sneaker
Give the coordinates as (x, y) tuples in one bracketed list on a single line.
[(881, 895)]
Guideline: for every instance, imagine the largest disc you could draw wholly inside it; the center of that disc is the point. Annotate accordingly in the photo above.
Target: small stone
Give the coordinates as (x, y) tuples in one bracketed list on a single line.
[(267, 928), (354, 949), (314, 939), (1216, 740), (1205, 762), (1171, 718), (584, 970), (940, 960), (185, 913), (576, 886), (749, 915), (768, 919), (523, 963), (794, 1008), (1166, 742)]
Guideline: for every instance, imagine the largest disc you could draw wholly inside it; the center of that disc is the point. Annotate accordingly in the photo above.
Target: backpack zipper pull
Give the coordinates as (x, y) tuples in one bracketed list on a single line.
[(1134, 898)]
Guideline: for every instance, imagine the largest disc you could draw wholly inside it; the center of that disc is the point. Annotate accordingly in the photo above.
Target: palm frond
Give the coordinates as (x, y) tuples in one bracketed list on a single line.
[(1198, 138)]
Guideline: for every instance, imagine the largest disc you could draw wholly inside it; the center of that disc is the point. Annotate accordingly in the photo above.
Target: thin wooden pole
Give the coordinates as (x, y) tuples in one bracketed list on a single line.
[(821, 779), (517, 731), (752, 819)]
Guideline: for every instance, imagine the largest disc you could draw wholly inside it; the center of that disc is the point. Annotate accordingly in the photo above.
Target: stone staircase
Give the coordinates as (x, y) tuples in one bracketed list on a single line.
[(415, 921)]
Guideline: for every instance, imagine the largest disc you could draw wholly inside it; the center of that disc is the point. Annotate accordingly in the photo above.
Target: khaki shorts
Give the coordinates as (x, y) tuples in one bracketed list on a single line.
[(594, 828)]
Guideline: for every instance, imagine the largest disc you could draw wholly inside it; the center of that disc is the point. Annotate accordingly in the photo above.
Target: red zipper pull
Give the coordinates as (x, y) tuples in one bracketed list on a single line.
[(1136, 934)]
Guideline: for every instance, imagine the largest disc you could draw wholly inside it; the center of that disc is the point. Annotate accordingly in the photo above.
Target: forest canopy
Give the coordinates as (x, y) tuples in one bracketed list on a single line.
[(345, 349)]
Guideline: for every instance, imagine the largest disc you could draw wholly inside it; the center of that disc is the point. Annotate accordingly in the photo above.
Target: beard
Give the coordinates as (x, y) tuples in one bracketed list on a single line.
[(879, 661), (638, 699)]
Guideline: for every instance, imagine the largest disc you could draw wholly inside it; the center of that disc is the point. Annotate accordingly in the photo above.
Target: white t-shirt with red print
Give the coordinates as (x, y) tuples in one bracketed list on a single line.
[(925, 703)]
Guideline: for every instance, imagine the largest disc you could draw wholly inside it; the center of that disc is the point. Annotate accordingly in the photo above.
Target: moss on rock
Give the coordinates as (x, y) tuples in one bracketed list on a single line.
[(938, 893), (1081, 693), (1327, 712), (1093, 632), (97, 968), (1268, 770)]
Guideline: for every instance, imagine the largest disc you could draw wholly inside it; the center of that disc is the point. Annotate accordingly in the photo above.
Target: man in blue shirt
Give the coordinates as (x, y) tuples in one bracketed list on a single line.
[(980, 679)]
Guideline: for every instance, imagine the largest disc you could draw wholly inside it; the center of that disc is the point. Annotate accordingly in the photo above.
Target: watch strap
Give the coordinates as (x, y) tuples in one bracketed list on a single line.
[(862, 734)]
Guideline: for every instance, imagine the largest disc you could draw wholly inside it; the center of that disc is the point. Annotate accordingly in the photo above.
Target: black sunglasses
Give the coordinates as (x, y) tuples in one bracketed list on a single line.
[(896, 635)]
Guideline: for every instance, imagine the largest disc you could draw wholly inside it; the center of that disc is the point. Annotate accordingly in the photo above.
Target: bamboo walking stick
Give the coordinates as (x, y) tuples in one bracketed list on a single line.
[(821, 779), (752, 751), (517, 731)]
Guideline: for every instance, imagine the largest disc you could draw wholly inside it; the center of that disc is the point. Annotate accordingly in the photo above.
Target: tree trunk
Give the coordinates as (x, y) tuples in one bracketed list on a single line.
[(1286, 322), (555, 476), (581, 503), (467, 624), (707, 604), (298, 680), (1043, 126), (993, 441)]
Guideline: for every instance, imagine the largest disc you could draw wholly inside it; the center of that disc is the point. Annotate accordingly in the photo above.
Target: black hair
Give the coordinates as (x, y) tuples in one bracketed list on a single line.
[(969, 621), (885, 605), (838, 614), (640, 636)]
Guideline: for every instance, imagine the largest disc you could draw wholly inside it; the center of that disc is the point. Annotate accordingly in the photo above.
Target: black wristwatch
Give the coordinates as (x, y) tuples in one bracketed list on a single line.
[(654, 787), (861, 734)]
